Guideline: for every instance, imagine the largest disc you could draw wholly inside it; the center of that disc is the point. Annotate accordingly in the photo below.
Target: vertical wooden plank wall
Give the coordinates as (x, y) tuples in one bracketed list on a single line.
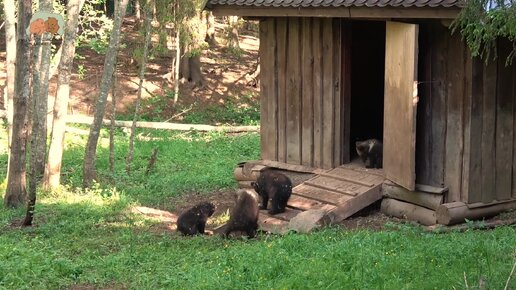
[(268, 105), (469, 145), (280, 58), (307, 68), (294, 100), (454, 124), (488, 136), (489, 131), (504, 124), (345, 90), (513, 196), (432, 108), (304, 57), (318, 93)]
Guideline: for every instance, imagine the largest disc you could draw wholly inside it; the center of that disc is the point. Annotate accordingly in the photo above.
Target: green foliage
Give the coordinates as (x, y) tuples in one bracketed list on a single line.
[(236, 51), (81, 71), (230, 113), (92, 240), (242, 111), (94, 27), (483, 22)]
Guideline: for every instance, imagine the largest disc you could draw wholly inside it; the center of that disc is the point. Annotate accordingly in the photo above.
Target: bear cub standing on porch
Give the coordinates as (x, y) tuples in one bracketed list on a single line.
[(193, 221), (244, 216), (371, 152), (276, 186)]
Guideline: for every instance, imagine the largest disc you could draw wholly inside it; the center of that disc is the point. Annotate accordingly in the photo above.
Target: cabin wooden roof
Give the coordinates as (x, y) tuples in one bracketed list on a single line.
[(336, 3)]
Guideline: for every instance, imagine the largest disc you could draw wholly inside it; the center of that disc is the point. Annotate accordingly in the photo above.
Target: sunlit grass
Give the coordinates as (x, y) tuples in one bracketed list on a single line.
[(91, 238)]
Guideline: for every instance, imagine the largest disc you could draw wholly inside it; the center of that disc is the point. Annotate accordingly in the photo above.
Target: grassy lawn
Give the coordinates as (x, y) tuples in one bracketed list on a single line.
[(90, 239)]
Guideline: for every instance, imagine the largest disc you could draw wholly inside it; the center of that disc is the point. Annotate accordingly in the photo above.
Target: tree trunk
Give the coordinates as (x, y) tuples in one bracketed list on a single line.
[(176, 65), (137, 10), (10, 40), (112, 125), (191, 60), (38, 137), (148, 20), (210, 29), (16, 193), (55, 154), (89, 171), (233, 32)]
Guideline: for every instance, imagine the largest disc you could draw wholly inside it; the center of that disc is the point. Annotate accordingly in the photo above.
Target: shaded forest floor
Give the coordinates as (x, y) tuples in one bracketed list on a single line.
[(225, 91)]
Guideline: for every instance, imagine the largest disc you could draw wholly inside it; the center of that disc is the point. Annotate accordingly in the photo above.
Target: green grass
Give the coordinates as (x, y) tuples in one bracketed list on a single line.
[(242, 110), (90, 238)]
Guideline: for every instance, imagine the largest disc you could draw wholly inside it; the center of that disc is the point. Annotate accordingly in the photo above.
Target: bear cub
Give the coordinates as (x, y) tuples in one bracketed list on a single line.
[(192, 221), (371, 152), (244, 216), (275, 186)]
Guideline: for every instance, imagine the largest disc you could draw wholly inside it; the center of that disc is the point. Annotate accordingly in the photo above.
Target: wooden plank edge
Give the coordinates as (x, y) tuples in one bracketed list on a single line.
[(353, 205)]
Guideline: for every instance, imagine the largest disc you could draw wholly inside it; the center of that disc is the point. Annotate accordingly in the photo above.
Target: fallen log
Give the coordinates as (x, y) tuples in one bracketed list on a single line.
[(457, 212), (165, 126), (400, 209), (239, 175), (428, 200)]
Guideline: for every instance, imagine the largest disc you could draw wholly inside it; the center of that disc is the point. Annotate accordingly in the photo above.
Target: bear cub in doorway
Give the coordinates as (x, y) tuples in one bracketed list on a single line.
[(192, 221), (275, 186), (371, 152), (244, 216)]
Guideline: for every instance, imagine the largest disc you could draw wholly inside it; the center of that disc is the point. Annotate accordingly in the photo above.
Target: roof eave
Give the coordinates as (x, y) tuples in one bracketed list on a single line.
[(342, 12)]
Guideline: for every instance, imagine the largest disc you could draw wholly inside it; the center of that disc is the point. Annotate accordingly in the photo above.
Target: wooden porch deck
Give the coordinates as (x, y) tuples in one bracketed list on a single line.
[(340, 192)]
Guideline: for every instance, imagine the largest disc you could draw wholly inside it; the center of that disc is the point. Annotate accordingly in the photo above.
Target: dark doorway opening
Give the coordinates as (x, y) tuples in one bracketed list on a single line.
[(367, 81)]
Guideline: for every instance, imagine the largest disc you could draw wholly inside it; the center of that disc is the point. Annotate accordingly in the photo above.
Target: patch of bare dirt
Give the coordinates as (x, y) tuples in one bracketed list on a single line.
[(224, 73)]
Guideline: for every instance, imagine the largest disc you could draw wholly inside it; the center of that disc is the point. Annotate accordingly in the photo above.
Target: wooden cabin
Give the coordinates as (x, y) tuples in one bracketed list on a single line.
[(337, 71)]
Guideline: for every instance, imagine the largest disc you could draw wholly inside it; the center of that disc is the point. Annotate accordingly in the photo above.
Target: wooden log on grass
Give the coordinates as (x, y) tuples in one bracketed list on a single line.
[(166, 126), (239, 175), (401, 209), (457, 212), (424, 199), (244, 184)]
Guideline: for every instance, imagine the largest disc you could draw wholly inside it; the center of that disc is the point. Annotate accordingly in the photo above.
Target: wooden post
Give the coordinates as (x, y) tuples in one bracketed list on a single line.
[(457, 212)]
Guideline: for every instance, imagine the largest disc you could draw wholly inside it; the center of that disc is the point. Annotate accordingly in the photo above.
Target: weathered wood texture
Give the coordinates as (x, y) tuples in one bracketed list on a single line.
[(431, 119), (466, 120), (458, 212), (489, 122), (399, 139), (303, 95), (405, 210), (424, 199)]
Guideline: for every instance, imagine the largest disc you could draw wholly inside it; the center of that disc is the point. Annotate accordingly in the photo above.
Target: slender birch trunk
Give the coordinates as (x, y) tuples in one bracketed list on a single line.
[(89, 170), (38, 118), (148, 20), (52, 174)]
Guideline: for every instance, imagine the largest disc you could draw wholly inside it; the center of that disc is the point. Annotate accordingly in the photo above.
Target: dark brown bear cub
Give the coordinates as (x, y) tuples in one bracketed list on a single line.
[(192, 221), (371, 152), (244, 216), (275, 186)]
